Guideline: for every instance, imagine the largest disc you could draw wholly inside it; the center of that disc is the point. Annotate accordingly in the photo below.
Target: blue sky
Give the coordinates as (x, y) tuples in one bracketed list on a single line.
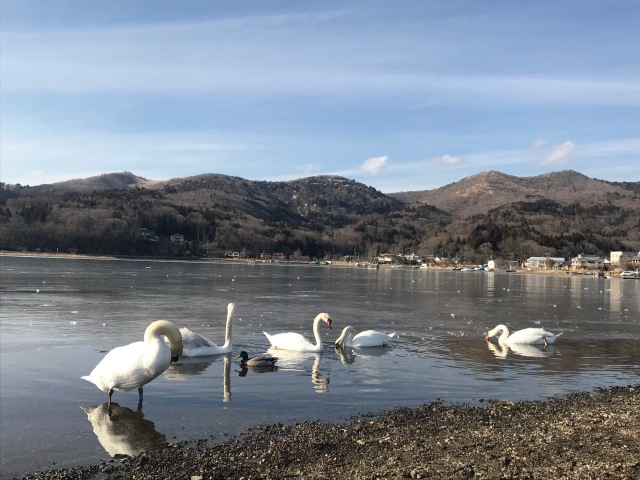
[(406, 95)]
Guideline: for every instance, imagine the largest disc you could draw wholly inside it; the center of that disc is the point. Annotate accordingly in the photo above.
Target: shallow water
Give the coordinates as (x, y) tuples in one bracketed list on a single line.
[(60, 316)]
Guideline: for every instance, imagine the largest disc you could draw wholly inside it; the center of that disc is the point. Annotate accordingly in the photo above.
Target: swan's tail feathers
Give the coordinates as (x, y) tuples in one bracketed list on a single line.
[(559, 334), (391, 335), (87, 378)]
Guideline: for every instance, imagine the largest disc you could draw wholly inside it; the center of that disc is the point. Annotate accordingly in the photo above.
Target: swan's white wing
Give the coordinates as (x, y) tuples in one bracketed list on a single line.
[(292, 341), (197, 345), (194, 340), (531, 336), (131, 366), (371, 338)]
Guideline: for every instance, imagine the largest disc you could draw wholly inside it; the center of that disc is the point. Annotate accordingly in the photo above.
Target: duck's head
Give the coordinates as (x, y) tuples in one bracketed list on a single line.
[(243, 355)]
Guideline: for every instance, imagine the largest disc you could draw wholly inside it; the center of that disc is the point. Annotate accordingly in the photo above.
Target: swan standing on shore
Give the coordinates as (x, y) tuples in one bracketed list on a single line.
[(368, 338), (134, 365), (527, 336), (295, 341), (197, 345)]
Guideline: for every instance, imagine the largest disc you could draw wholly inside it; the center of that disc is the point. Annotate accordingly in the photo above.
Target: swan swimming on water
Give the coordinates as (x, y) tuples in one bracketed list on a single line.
[(197, 345), (527, 336), (295, 341), (134, 365), (368, 338)]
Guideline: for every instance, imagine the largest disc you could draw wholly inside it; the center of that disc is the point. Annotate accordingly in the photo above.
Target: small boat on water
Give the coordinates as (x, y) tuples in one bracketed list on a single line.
[(373, 266)]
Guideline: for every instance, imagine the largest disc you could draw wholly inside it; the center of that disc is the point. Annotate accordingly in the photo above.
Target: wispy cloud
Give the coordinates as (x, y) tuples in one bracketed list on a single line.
[(375, 165), (63, 156), (447, 160), (274, 54), (558, 155)]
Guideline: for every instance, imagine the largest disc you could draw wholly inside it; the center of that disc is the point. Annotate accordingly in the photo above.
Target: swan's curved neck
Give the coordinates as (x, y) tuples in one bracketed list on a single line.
[(227, 334), (349, 334), (505, 332), (316, 332), (169, 330)]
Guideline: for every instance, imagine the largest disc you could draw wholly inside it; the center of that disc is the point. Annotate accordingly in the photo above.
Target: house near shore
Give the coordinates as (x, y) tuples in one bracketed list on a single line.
[(177, 238), (148, 235), (385, 258), (550, 263), (587, 262), (619, 259)]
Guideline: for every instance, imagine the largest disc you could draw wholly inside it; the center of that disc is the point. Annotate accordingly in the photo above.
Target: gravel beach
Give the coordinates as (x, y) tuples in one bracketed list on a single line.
[(579, 436)]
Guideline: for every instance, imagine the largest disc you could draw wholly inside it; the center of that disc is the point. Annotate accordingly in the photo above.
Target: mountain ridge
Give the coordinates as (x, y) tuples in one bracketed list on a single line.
[(484, 214)]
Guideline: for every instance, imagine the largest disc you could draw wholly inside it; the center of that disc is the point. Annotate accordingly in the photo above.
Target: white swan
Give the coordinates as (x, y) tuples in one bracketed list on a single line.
[(368, 338), (527, 336), (197, 345), (295, 341), (136, 364)]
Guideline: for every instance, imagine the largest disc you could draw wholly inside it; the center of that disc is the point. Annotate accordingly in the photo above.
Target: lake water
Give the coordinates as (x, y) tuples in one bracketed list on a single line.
[(59, 317)]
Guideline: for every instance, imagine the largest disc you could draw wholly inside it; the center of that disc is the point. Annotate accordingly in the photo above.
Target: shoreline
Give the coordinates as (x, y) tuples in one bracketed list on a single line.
[(576, 436), (335, 263)]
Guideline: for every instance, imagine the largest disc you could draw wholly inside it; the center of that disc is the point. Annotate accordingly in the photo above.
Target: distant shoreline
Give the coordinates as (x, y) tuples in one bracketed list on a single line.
[(247, 261)]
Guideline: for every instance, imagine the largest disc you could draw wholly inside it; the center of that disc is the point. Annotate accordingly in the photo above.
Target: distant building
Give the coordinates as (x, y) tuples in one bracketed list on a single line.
[(587, 262), (620, 258), (177, 238), (533, 263), (384, 258), (148, 235)]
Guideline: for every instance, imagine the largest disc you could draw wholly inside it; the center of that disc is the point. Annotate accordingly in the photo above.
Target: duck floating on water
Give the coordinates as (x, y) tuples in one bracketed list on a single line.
[(263, 360)]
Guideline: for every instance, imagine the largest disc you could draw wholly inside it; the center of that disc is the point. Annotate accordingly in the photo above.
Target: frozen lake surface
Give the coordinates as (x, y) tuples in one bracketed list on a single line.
[(59, 317)]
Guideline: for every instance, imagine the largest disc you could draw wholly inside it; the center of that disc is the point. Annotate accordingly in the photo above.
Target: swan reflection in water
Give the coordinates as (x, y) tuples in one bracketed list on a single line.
[(122, 431), (348, 355), (291, 360), (502, 350), (187, 367)]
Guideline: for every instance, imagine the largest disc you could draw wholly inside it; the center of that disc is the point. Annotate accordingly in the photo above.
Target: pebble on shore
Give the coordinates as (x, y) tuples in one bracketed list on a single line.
[(578, 436)]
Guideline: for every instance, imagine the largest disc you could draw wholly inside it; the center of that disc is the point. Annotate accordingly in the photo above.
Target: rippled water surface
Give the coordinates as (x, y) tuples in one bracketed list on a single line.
[(59, 317)]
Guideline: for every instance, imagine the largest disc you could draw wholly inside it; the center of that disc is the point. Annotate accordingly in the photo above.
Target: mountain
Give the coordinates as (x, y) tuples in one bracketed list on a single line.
[(488, 214), (108, 181), (487, 190)]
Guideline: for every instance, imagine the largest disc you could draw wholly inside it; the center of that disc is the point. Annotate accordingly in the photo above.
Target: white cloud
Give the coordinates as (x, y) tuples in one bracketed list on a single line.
[(447, 160), (374, 165), (558, 155)]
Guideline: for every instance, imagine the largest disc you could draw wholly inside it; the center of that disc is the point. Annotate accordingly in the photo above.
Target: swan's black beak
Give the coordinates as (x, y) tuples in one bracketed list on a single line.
[(329, 323), (175, 359)]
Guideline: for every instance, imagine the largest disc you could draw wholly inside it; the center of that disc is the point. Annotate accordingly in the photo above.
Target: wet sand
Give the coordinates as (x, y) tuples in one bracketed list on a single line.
[(579, 436)]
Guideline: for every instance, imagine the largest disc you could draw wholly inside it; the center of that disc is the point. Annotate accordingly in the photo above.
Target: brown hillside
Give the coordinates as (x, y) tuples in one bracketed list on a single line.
[(487, 190)]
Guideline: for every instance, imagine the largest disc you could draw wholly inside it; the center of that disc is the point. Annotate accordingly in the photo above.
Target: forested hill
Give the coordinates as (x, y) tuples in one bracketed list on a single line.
[(560, 214)]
